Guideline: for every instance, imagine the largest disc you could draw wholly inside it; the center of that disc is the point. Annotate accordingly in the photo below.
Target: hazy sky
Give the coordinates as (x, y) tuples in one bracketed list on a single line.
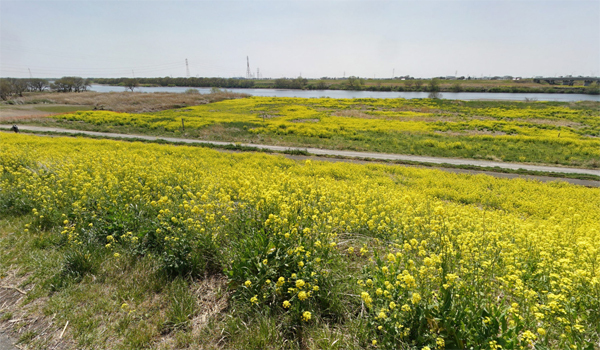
[(288, 38)]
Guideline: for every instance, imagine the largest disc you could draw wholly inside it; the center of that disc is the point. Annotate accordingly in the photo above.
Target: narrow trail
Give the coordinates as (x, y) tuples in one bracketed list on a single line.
[(6, 343), (353, 155)]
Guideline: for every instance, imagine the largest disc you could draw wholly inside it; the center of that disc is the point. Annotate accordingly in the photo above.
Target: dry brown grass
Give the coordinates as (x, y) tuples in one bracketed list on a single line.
[(354, 114), (556, 122), (27, 321), (131, 102), (313, 120)]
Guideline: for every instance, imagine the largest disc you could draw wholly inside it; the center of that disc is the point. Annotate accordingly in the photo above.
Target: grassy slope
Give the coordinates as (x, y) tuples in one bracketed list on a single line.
[(136, 306), (436, 128)]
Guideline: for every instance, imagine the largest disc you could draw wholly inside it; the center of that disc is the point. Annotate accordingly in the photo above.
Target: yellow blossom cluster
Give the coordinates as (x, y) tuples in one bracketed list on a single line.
[(541, 132), (447, 260)]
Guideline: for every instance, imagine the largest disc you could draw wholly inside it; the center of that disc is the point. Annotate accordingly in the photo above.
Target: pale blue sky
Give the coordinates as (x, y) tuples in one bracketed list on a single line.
[(288, 38)]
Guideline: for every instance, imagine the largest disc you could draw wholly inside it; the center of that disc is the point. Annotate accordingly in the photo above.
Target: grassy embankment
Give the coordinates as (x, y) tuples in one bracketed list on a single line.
[(420, 85), (500, 86), (152, 246), (529, 132)]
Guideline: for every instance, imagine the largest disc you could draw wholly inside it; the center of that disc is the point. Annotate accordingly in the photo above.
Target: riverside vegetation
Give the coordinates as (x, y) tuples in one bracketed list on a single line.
[(309, 255), (537, 132)]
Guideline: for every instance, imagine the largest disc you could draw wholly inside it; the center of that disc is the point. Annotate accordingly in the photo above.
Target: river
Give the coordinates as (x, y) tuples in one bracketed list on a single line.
[(369, 94)]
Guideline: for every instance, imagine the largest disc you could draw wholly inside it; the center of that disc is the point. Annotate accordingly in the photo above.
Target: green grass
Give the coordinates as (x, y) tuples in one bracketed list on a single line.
[(241, 148), (63, 109), (134, 306), (186, 288), (532, 132)]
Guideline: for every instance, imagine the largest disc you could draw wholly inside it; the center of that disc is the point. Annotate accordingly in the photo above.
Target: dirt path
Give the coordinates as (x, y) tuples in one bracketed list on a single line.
[(6, 343), (20, 111), (324, 152)]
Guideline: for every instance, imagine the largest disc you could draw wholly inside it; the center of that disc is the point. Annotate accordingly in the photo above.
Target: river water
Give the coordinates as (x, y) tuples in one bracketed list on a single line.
[(369, 94)]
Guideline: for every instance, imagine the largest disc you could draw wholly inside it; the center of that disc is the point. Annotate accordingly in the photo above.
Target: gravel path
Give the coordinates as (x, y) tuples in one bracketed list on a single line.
[(325, 152)]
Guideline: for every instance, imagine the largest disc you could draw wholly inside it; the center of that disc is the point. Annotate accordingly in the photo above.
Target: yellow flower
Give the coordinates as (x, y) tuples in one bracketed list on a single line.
[(248, 283), (374, 342), (366, 298), (265, 262), (306, 316), (416, 297), (254, 299), (302, 295), (351, 250), (299, 284), (541, 331), (287, 304)]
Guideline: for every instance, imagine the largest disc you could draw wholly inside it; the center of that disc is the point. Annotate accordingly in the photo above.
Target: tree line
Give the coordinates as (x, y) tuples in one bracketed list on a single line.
[(185, 82), (16, 87)]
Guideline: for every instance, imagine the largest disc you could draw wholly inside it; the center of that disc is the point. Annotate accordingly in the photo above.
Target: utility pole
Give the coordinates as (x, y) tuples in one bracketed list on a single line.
[(30, 76), (187, 69), (248, 72)]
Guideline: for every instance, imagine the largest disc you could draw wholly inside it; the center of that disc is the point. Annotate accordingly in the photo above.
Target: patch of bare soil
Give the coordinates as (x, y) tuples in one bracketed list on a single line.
[(554, 122), (22, 112), (24, 320), (314, 120), (471, 132), (354, 114)]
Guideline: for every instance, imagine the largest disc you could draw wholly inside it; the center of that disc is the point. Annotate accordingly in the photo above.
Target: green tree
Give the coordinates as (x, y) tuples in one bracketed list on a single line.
[(354, 83), (456, 87), (131, 84), (418, 85), (37, 84), (321, 85), (434, 88), (5, 89)]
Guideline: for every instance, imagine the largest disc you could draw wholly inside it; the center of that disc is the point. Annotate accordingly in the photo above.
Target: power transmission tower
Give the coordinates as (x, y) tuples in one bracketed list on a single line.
[(30, 76), (187, 69), (248, 72)]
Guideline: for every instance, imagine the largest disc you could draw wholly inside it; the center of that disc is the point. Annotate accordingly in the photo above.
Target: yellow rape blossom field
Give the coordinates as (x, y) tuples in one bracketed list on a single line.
[(315, 255), (536, 132)]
